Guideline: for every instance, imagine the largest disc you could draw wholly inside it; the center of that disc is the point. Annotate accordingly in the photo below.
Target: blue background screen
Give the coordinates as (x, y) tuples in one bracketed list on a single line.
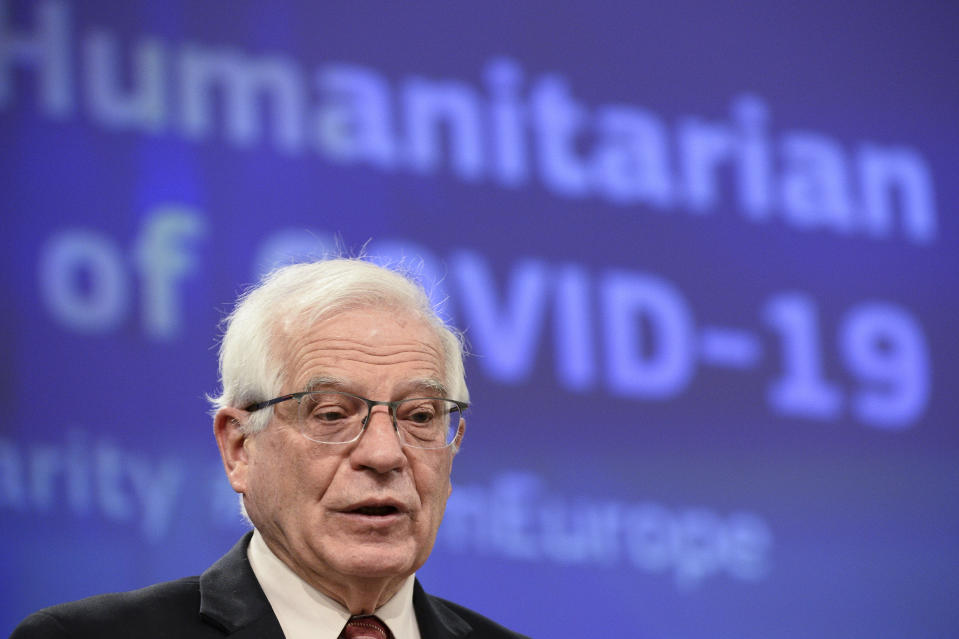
[(705, 259)]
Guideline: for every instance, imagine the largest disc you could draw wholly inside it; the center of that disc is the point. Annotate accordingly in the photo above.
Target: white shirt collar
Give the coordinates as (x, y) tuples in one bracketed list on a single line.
[(306, 613)]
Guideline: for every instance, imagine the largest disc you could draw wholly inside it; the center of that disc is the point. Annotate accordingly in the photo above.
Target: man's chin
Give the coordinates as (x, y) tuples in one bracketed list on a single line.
[(378, 560)]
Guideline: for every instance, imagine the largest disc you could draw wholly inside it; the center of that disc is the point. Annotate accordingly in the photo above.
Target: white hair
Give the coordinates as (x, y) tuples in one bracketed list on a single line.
[(295, 297)]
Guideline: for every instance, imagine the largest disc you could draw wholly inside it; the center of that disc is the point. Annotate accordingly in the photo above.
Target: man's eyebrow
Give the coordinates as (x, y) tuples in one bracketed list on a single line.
[(327, 381), (432, 387)]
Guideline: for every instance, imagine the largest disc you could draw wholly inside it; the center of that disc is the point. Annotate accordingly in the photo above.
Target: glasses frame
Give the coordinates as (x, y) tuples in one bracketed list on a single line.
[(370, 403)]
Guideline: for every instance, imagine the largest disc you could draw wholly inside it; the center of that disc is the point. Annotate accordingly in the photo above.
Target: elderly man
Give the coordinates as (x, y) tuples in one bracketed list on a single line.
[(340, 413)]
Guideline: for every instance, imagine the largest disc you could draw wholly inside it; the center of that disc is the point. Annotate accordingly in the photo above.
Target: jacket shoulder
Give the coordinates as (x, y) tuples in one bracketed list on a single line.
[(161, 610), (482, 627)]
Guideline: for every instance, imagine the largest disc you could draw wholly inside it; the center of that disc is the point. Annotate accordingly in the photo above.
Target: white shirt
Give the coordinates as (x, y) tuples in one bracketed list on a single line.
[(306, 613)]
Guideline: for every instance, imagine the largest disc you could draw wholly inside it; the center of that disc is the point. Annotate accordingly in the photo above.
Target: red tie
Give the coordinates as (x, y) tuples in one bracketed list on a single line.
[(366, 627)]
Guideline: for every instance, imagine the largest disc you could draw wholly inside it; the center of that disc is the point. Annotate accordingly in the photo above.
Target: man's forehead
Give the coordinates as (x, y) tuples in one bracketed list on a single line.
[(345, 350), (427, 386)]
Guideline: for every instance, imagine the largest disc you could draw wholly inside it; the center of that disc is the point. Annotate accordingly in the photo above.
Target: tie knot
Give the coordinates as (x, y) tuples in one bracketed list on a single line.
[(365, 627)]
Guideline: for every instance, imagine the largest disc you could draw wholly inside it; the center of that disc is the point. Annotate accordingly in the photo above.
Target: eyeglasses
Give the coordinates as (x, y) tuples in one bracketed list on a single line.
[(335, 417)]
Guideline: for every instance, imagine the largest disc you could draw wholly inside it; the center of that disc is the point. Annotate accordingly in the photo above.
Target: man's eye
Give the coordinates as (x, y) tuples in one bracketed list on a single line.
[(421, 416), (419, 413), (329, 415), (329, 412)]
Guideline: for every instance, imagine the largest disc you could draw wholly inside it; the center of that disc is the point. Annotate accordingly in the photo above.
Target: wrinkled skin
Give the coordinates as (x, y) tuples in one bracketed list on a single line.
[(304, 497)]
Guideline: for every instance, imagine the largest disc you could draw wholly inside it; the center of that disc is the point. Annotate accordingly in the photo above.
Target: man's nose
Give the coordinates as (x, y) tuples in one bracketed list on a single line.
[(379, 447)]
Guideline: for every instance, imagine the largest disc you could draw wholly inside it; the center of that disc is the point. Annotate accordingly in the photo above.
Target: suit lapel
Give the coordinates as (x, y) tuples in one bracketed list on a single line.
[(232, 600), (435, 619)]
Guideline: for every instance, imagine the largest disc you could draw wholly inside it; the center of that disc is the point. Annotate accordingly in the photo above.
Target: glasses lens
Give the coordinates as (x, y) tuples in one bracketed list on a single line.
[(331, 417), (427, 422)]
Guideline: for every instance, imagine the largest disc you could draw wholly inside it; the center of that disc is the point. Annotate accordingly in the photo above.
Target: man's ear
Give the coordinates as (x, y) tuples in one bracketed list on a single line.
[(232, 442), (460, 432), (457, 440)]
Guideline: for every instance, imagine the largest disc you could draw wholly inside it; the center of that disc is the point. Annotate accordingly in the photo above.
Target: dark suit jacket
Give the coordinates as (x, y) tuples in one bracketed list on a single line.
[(226, 600)]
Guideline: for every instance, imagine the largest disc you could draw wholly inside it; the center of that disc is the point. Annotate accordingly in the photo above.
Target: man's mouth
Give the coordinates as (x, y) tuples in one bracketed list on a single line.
[(375, 511)]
